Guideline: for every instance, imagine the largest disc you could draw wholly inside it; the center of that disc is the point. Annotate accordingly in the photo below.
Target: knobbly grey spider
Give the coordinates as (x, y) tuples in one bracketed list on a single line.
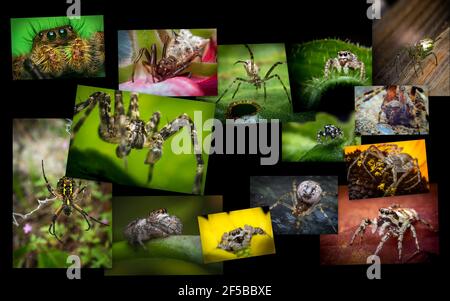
[(239, 238), (130, 132), (157, 224), (392, 221), (254, 78), (305, 198), (395, 161)]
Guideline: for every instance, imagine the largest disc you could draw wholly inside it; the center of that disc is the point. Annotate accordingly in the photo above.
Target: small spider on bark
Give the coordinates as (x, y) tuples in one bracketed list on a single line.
[(392, 221)]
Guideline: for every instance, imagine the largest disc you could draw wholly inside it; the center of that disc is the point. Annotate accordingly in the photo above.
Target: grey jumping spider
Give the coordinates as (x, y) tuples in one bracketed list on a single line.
[(305, 198), (329, 132), (129, 131), (157, 224), (254, 78), (239, 239), (392, 221), (344, 61)]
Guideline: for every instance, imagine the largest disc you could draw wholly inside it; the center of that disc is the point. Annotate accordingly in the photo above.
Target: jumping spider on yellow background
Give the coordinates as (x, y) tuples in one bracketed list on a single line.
[(60, 51), (344, 61), (305, 198), (254, 78), (239, 239), (129, 131), (68, 192), (177, 55)]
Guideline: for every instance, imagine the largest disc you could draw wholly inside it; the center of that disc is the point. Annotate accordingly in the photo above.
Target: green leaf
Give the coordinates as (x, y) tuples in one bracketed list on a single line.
[(52, 259)]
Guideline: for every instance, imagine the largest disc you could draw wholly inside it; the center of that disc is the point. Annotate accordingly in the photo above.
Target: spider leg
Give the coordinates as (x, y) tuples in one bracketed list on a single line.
[(326, 216), (251, 53), (328, 65), (52, 227), (284, 87), (281, 202), (400, 244), (237, 89), (426, 223), (89, 105), (362, 71), (86, 216), (416, 165), (435, 57), (148, 64), (294, 193), (271, 69), (152, 125), (171, 129), (34, 70), (361, 229), (49, 187), (232, 83), (413, 230), (383, 240)]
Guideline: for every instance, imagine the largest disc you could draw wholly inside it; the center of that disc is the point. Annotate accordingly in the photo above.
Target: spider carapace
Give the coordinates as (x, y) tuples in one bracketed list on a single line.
[(67, 191)]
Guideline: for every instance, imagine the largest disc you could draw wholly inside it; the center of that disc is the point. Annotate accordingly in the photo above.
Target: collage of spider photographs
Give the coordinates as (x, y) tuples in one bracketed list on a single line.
[(142, 148)]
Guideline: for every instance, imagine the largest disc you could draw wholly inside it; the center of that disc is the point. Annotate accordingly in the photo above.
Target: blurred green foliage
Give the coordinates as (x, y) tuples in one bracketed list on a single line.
[(306, 64), (277, 105), (299, 140), (33, 246), (174, 255), (92, 158)]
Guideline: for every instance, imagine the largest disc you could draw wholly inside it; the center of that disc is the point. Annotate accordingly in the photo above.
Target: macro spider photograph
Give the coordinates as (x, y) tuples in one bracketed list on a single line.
[(57, 47), (236, 234), (412, 49), (298, 205), (391, 110), (171, 62), (387, 169), (159, 235), (323, 73), (253, 79), (156, 142), (399, 229), (321, 140), (55, 216)]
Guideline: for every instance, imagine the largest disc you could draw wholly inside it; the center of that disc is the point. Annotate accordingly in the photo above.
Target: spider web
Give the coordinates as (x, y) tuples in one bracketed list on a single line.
[(27, 215)]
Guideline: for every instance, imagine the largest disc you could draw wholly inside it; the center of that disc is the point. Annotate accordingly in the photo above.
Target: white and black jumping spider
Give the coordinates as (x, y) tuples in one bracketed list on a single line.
[(239, 238), (130, 132), (305, 198), (392, 221), (329, 132), (254, 78), (157, 224), (344, 61)]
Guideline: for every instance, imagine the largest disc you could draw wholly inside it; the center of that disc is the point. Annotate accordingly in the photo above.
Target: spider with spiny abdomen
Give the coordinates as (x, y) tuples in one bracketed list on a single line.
[(129, 131), (254, 78), (67, 191)]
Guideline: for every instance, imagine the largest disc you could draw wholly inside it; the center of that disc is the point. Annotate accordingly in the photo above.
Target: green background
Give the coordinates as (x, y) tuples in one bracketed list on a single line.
[(22, 33), (174, 255), (306, 64), (92, 158), (277, 104)]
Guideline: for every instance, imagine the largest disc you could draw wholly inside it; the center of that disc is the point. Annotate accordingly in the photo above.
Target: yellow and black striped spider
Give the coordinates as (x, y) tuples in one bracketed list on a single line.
[(67, 191)]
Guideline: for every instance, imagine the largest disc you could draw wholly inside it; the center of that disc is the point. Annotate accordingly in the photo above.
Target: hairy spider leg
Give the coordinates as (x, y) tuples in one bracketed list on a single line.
[(148, 63), (89, 105), (281, 202), (34, 70), (361, 229), (151, 128), (251, 54), (383, 240), (49, 187)]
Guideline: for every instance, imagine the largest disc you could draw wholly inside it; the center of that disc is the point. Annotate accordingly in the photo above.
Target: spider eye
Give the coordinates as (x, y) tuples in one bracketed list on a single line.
[(51, 35), (41, 34), (63, 33)]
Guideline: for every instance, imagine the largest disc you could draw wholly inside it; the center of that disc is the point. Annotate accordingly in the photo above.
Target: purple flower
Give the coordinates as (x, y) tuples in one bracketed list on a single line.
[(27, 228)]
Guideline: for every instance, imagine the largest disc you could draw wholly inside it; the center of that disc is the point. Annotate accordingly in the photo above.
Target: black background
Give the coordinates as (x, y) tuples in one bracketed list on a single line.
[(297, 259)]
